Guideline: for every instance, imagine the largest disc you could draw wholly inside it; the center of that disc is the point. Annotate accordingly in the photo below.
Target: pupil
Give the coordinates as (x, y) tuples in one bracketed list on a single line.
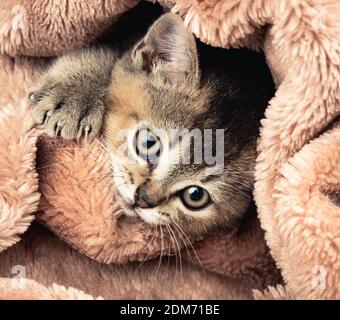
[(195, 193), (149, 142)]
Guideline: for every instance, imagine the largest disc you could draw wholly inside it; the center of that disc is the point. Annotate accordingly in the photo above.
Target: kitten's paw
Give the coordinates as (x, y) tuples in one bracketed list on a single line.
[(66, 112)]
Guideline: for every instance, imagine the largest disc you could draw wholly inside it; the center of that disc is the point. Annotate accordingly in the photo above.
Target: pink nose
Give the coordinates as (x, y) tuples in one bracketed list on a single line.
[(142, 200)]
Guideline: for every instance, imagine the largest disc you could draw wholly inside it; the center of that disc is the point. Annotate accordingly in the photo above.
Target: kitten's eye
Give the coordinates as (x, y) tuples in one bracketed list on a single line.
[(148, 145), (195, 197)]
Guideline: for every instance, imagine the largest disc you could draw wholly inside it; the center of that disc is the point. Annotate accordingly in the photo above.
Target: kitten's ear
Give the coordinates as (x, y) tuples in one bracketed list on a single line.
[(168, 50)]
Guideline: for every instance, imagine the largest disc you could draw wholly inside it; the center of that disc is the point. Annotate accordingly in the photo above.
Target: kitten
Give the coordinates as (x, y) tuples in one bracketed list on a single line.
[(166, 81)]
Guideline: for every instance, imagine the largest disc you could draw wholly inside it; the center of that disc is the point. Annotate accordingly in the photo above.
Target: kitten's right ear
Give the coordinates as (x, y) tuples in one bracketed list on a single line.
[(168, 50)]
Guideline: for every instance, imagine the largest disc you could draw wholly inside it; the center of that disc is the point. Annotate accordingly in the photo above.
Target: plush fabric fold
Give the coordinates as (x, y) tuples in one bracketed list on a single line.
[(19, 197), (297, 173)]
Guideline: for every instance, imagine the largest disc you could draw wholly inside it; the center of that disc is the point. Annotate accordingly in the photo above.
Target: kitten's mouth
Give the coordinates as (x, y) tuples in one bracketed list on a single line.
[(131, 208), (149, 215)]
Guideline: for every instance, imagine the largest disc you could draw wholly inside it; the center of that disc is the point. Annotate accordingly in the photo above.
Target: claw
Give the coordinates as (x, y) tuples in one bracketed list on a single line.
[(85, 133), (58, 130), (32, 96), (87, 128), (47, 116)]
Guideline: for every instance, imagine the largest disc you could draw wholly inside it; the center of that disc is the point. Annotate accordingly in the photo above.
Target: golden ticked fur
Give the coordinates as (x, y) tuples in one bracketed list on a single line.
[(161, 84)]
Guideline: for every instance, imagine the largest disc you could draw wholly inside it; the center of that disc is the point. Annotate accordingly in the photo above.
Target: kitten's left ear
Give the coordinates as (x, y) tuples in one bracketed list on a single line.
[(168, 50)]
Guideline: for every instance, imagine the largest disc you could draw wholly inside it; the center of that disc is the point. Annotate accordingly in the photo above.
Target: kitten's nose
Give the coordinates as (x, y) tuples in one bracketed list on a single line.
[(142, 200)]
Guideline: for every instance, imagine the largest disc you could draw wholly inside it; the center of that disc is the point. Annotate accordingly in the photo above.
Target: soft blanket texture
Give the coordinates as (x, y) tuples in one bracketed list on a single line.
[(68, 184)]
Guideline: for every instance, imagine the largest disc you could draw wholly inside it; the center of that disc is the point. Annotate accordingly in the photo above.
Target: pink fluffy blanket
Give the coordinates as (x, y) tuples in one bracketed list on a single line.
[(67, 186)]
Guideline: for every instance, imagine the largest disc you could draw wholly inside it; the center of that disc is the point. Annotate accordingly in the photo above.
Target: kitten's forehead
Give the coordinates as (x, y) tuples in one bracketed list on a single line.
[(178, 107)]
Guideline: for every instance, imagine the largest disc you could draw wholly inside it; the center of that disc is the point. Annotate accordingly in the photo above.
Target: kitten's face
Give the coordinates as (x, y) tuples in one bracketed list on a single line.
[(157, 90)]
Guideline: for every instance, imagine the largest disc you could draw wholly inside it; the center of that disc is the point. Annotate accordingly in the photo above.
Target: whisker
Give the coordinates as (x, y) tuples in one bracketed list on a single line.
[(173, 244), (185, 244), (121, 184), (190, 243), (148, 228), (160, 257), (148, 255), (91, 153), (92, 173), (179, 252), (169, 255)]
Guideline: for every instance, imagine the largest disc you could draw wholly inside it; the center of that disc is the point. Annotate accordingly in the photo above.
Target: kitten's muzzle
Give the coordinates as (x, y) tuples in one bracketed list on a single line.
[(142, 200)]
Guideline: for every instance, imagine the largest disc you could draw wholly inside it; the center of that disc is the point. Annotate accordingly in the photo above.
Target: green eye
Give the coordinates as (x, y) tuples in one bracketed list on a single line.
[(195, 197), (148, 145)]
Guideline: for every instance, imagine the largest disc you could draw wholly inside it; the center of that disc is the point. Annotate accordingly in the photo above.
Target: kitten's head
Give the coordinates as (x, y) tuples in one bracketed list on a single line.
[(182, 136)]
